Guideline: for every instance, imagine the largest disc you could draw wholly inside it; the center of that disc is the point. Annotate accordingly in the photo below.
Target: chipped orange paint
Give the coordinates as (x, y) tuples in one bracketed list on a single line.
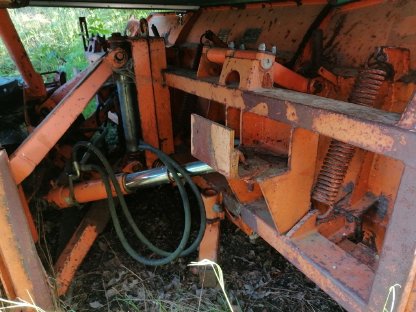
[(36, 146), (80, 243), (260, 109), (350, 130), (23, 270)]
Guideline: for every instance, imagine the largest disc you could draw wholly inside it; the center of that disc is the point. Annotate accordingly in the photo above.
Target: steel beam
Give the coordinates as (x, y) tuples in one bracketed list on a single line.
[(21, 268), (38, 144), (80, 243), (368, 128)]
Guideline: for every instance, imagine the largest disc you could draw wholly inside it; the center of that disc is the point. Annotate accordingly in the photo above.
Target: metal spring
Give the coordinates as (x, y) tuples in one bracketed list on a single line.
[(367, 87), (339, 155), (157, 163), (333, 172)]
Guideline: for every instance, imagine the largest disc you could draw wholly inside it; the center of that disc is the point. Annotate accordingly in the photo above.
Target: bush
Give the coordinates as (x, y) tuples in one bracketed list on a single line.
[(52, 37)]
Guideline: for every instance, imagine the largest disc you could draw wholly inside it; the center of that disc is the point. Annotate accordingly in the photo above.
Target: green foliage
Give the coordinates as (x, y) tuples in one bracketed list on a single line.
[(52, 36)]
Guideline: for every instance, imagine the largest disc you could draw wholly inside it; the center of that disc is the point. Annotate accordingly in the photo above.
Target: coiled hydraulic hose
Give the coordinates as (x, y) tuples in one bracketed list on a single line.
[(107, 175)]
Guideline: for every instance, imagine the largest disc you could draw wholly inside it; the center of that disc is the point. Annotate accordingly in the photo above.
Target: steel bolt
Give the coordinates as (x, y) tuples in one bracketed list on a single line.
[(120, 56), (217, 208), (262, 47), (266, 63)]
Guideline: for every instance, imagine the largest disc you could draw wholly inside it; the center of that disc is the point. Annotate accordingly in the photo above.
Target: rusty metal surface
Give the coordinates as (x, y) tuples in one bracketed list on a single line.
[(80, 243), (352, 35), (214, 144), (277, 26), (399, 247), (20, 260), (259, 219), (6, 280), (31, 152), (209, 247), (269, 199), (364, 127)]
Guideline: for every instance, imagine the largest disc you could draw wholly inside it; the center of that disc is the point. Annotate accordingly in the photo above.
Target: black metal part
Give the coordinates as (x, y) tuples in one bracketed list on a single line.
[(13, 3), (84, 31), (155, 31)]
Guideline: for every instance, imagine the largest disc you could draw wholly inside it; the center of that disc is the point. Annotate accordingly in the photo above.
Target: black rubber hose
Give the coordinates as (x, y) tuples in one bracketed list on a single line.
[(168, 160), (111, 176)]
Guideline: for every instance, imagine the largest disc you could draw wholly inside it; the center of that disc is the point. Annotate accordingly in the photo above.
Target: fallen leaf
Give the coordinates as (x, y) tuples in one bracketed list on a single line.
[(96, 305)]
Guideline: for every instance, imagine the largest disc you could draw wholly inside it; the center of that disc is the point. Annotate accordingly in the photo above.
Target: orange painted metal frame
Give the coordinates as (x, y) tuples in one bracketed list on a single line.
[(281, 75), (21, 270), (368, 128), (210, 243), (161, 94), (37, 145), (351, 282), (364, 127), (147, 110), (80, 243), (288, 195), (35, 86), (209, 247), (153, 96)]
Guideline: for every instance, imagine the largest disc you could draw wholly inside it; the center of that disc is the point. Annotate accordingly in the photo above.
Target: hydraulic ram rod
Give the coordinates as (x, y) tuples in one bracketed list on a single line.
[(94, 190)]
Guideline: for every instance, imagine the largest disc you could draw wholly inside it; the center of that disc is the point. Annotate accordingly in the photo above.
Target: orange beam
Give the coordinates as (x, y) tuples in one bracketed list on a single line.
[(208, 249), (144, 85), (209, 246), (60, 93), (35, 86), (80, 243), (28, 214), (20, 265), (31, 152), (161, 95)]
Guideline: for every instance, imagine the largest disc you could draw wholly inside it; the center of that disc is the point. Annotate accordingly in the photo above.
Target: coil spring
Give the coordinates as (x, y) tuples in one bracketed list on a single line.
[(367, 86), (157, 163), (333, 172), (339, 155)]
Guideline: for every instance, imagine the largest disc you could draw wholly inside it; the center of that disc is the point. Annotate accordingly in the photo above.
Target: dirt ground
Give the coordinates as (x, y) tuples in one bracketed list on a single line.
[(256, 277)]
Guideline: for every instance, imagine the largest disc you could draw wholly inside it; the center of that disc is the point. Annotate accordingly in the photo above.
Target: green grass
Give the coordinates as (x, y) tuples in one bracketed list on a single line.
[(52, 38)]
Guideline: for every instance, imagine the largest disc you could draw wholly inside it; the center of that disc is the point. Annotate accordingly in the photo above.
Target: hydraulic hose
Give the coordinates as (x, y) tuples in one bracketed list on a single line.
[(168, 160), (108, 176)]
